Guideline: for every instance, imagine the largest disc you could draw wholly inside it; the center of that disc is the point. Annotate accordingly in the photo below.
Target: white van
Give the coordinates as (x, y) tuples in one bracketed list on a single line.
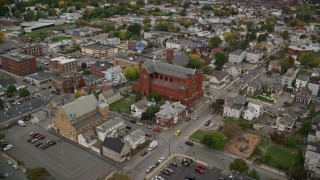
[(21, 123)]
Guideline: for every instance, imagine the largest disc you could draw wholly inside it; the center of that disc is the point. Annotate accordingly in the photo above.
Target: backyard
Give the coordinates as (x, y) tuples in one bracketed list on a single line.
[(265, 99), (122, 105)]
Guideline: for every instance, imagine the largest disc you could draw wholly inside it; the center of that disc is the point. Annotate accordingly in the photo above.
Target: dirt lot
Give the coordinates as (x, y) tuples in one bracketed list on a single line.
[(247, 141)]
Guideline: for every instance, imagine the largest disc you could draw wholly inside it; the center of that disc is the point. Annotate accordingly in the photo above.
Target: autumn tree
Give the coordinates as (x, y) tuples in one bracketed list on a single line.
[(131, 73), (2, 36), (195, 62)]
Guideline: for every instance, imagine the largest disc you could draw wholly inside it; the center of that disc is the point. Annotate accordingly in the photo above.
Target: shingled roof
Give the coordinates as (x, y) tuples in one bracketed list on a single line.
[(114, 144)]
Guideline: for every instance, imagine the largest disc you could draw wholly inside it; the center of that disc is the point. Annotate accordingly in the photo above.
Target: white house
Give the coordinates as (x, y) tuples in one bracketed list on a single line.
[(289, 76), (113, 73), (237, 56), (253, 111), (254, 56), (109, 96), (233, 69), (114, 128), (233, 107), (287, 121), (219, 79), (173, 45), (140, 107), (87, 139), (302, 81), (135, 138)]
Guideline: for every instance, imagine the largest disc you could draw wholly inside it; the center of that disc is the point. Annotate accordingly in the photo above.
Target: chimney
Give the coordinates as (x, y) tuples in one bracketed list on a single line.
[(169, 55)]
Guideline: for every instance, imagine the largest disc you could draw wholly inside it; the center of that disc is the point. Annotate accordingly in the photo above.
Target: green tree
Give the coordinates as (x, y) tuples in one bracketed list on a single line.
[(214, 139), (215, 41), (262, 37), (1, 103), (285, 35), (151, 111), (17, 14), (37, 173), (138, 95), (290, 141), (86, 72), (207, 70), (309, 59), (195, 61), (134, 29), (254, 174), (24, 92), (40, 14), (30, 16), (230, 129), (84, 65), (131, 73), (156, 96), (305, 128), (286, 63), (108, 27), (11, 89), (239, 165), (220, 59), (207, 7)]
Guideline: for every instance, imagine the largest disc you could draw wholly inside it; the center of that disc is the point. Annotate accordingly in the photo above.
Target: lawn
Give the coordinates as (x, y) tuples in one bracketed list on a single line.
[(59, 38), (280, 157), (198, 135), (140, 147), (263, 144), (122, 105), (265, 99)]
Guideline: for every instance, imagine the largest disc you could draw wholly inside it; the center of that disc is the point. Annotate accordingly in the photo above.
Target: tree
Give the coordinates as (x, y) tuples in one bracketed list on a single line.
[(134, 29), (195, 62), (11, 89), (286, 63), (290, 141), (2, 36), (108, 27), (138, 95), (84, 65), (24, 92), (120, 176), (220, 59), (30, 16), (253, 174), (239, 165), (78, 94), (262, 37), (37, 173), (305, 128), (285, 35), (309, 59), (215, 41), (151, 111), (207, 70), (218, 105), (156, 96), (229, 36), (17, 14), (131, 73), (1, 103), (214, 139), (86, 72), (230, 129)]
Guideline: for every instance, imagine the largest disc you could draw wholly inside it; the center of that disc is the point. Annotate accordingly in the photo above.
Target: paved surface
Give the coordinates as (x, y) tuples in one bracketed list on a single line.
[(11, 174), (63, 160)]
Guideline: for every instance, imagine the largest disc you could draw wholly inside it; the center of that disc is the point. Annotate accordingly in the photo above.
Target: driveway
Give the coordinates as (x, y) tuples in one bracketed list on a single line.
[(63, 160)]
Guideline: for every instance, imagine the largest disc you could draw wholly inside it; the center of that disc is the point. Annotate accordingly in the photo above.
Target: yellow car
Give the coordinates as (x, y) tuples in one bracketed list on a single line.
[(178, 133)]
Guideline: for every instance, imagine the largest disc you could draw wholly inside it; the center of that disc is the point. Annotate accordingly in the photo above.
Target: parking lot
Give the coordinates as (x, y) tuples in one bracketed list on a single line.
[(9, 172), (63, 160)]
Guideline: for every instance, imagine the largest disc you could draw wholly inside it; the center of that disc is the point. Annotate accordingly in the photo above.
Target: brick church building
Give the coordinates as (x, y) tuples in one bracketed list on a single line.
[(175, 83)]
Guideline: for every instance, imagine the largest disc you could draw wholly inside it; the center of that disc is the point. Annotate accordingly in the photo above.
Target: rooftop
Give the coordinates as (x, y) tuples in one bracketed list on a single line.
[(114, 144), (17, 57), (63, 60), (99, 47)]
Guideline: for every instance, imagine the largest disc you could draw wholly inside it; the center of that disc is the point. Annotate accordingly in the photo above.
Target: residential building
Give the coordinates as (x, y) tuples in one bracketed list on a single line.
[(302, 81), (68, 82), (171, 81), (314, 85), (40, 78), (87, 139), (233, 107), (274, 66), (140, 107), (233, 69), (63, 65), (99, 50), (287, 121), (79, 116), (116, 149), (173, 45), (264, 84), (219, 79), (112, 73), (312, 160), (254, 56), (131, 62), (19, 64), (237, 56), (86, 31), (99, 68), (289, 76), (170, 113), (114, 127), (135, 138), (253, 111), (303, 96), (33, 50), (109, 96)]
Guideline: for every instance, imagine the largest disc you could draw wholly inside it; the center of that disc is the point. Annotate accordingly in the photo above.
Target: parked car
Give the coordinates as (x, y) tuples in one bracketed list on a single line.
[(190, 177), (190, 143), (38, 144), (199, 170), (162, 159), (170, 170), (143, 153), (157, 130), (201, 166), (178, 133), (51, 143), (174, 164), (128, 127), (9, 162), (34, 140), (165, 173), (9, 146), (133, 121), (148, 134), (14, 166)]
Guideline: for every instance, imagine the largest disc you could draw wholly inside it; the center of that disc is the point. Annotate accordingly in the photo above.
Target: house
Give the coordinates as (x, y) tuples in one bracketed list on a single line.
[(312, 160), (233, 107), (264, 84), (274, 66), (219, 79), (87, 139), (170, 113), (287, 121), (254, 56), (86, 31), (233, 69), (173, 45), (67, 82), (314, 85), (114, 127), (302, 81), (113, 73), (237, 56), (253, 111), (171, 81), (109, 96), (116, 149), (81, 115), (135, 138), (289, 76), (140, 107), (38, 116), (303, 96)]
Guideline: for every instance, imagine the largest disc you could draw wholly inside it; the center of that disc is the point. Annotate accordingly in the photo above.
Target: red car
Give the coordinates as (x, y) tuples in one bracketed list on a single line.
[(201, 166), (199, 170), (157, 130), (143, 153)]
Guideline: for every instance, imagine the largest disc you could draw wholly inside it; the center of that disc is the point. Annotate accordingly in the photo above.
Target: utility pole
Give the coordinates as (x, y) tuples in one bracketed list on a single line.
[(169, 147)]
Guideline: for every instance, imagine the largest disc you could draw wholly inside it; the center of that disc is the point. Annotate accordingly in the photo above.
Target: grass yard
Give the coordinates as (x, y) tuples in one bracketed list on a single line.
[(264, 144), (140, 147), (280, 157), (59, 38), (123, 105), (198, 135), (265, 99)]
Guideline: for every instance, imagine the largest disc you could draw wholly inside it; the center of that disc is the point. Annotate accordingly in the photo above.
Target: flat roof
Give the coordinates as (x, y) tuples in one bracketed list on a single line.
[(63, 60), (17, 57), (99, 46)]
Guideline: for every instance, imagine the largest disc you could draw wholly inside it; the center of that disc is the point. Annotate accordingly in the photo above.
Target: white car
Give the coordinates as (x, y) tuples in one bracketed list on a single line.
[(274, 127), (9, 146), (162, 159), (139, 123), (9, 162), (14, 166), (280, 109)]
